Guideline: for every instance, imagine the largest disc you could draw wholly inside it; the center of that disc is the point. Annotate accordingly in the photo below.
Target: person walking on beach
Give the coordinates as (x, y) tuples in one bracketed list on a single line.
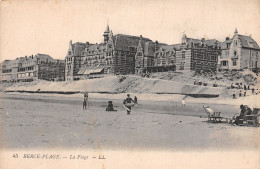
[(135, 100), (253, 91), (183, 102), (128, 100), (234, 94), (85, 101)]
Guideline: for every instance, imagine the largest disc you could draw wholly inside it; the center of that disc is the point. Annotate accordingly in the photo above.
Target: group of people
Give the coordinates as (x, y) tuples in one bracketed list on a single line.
[(245, 110), (244, 93), (198, 82), (110, 106), (240, 86)]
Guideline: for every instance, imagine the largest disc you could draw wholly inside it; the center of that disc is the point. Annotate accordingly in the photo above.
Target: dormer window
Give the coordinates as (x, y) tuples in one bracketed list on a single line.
[(131, 49), (228, 44)]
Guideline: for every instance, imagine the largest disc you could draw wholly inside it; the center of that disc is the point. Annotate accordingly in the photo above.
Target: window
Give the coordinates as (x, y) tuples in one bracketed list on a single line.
[(235, 53), (227, 45), (183, 54), (224, 63), (182, 65), (234, 62)]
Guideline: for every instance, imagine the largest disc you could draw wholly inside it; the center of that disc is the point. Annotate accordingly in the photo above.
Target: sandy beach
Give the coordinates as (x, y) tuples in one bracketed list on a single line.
[(58, 121)]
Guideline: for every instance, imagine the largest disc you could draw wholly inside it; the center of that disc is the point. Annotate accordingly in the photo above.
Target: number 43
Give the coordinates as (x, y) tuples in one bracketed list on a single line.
[(15, 156)]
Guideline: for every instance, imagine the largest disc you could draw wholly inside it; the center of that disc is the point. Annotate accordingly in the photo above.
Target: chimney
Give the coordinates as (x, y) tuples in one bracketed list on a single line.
[(156, 45)]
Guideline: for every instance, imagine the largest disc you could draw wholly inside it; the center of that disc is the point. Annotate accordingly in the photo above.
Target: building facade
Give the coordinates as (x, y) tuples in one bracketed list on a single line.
[(240, 52), (197, 55), (154, 57), (115, 55), (125, 54), (30, 68)]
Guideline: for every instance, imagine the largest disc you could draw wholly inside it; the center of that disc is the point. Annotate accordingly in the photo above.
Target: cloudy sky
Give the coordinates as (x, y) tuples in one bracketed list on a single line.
[(42, 26)]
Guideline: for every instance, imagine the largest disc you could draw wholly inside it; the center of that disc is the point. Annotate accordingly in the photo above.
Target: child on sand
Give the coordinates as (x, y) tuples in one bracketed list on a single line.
[(110, 106)]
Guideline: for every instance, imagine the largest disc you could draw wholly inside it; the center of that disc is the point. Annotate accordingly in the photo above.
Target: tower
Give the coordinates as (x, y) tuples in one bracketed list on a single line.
[(106, 34), (236, 32)]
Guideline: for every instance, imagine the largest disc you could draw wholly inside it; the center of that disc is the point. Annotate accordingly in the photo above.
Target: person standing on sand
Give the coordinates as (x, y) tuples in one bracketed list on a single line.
[(128, 100), (234, 94), (183, 102), (135, 100), (85, 101)]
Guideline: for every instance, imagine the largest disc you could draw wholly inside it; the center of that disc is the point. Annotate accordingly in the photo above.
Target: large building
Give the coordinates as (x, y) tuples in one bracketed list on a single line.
[(239, 52), (190, 54), (125, 54), (197, 55), (30, 68), (154, 57), (116, 55)]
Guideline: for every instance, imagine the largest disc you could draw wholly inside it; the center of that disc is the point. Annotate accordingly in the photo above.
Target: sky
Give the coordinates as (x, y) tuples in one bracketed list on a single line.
[(42, 26)]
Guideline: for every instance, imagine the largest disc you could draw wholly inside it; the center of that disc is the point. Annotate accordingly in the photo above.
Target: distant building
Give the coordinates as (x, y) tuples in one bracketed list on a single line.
[(239, 52), (116, 55), (197, 55), (125, 54), (144, 56), (29, 68), (165, 57)]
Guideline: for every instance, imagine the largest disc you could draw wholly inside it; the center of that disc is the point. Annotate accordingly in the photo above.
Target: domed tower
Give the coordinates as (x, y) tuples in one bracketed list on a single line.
[(106, 34), (236, 32)]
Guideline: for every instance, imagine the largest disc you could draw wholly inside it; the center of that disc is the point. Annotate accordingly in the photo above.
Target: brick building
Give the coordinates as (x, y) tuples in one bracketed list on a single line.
[(29, 68), (115, 55), (154, 57), (239, 52), (195, 54)]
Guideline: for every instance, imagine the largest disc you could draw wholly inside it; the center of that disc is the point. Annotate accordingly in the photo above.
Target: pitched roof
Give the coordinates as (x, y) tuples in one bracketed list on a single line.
[(248, 42), (94, 47), (123, 42), (212, 42), (78, 48), (224, 44), (149, 48)]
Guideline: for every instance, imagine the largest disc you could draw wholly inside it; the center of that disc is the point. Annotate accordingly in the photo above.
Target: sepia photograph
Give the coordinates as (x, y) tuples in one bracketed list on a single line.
[(107, 84)]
